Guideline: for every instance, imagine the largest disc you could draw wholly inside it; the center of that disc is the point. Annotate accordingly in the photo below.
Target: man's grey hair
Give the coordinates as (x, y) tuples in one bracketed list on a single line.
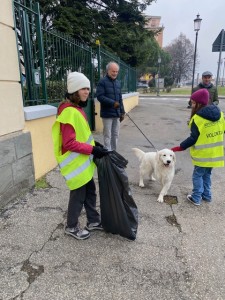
[(110, 63)]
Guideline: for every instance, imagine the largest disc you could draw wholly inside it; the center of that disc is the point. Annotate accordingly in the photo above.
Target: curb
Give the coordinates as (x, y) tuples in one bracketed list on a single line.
[(170, 96)]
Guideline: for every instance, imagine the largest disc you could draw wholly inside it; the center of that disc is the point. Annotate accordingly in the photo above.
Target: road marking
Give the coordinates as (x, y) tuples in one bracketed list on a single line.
[(165, 98)]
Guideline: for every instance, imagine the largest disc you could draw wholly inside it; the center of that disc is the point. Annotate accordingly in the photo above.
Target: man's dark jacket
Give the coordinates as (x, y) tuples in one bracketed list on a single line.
[(213, 94), (108, 92)]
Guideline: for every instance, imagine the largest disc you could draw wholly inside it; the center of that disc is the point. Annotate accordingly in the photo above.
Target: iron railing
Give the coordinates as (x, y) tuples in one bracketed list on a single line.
[(47, 56)]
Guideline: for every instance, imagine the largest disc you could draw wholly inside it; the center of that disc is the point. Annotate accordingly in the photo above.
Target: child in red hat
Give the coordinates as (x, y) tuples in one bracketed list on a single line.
[(207, 127)]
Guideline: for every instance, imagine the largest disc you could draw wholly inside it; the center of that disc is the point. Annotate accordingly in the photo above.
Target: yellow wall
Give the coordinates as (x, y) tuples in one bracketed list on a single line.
[(129, 101), (41, 129), (12, 118)]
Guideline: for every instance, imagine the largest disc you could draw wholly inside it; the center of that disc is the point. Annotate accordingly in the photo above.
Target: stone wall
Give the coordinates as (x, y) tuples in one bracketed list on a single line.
[(16, 166)]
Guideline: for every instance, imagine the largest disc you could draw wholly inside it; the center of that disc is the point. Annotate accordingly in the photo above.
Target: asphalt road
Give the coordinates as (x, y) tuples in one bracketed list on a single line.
[(179, 250)]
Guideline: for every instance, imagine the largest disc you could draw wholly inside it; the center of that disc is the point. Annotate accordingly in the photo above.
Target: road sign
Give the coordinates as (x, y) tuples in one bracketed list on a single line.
[(159, 84), (216, 46)]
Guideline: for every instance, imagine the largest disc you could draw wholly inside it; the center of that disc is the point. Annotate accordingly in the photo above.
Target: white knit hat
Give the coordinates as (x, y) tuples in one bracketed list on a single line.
[(77, 81)]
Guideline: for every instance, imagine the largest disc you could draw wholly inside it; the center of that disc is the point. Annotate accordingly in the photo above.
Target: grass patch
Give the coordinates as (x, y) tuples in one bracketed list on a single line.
[(179, 91), (41, 183), (186, 91)]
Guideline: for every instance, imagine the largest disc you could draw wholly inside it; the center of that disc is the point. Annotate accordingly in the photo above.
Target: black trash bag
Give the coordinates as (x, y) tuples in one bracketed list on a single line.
[(119, 213)]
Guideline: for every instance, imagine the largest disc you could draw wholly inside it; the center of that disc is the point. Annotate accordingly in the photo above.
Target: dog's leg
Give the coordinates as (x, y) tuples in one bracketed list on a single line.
[(164, 191), (151, 174), (141, 181), (152, 178)]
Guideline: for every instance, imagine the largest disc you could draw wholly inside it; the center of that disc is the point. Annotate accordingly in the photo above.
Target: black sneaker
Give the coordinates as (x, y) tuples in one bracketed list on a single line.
[(77, 233), (206, 200), (189, 198), (94, 226)]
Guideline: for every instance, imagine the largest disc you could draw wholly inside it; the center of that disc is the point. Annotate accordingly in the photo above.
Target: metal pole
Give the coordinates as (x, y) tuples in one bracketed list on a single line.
[(158, 79), (221, 48), (98, 58), (223, 72), (193, 74), (41, 51)]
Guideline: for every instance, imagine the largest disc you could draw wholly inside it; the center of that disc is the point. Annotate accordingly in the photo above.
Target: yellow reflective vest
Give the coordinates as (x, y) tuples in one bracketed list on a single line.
[(208, 151), (76, 168)]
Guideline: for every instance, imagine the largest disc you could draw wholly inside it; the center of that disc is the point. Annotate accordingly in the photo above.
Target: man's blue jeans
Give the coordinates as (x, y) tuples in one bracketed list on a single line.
[(201, 179), (111, 128)]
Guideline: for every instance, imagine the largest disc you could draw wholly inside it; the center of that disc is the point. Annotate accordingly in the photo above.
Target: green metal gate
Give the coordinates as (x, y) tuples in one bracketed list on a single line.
[(47, 56), (30, 50), (127, 75)]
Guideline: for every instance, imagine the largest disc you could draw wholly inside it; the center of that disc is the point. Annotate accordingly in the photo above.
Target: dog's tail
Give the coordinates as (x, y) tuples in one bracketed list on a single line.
[(139, 153)]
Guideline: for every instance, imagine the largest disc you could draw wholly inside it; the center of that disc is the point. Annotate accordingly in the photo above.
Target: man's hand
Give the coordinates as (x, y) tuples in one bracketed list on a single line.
[(116, 104), (121, 117)]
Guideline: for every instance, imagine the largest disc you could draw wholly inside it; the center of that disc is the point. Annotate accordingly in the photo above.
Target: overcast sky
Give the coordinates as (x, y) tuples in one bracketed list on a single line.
[(178, 16)]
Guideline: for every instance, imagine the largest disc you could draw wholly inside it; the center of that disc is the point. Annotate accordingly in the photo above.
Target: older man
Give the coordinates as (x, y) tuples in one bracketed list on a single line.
[(112, 112), (207, 84)]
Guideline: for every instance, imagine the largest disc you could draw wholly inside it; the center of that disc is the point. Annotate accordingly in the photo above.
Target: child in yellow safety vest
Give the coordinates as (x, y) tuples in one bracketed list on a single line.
[(206, 140), (74, 149)]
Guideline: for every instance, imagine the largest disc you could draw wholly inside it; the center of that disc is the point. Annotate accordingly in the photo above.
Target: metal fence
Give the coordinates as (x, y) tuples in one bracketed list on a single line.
[(63, 55), (127, 75), (47, 56)]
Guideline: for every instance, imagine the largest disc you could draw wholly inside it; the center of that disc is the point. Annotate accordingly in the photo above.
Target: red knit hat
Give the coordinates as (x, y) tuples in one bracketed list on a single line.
[(201, 96)]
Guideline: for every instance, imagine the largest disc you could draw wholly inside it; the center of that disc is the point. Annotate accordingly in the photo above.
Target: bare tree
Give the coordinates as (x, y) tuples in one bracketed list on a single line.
[(181, 51)]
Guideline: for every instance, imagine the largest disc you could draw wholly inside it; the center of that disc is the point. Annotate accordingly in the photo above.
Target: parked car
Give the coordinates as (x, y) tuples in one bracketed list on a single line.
[(142, 84)]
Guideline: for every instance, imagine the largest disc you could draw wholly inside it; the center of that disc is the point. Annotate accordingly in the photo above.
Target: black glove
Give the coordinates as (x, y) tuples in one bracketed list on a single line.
[(98, 144), (122, 117), (99, 152)]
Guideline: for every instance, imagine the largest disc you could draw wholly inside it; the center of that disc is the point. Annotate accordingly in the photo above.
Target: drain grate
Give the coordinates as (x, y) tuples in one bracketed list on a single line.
[(170, 199)]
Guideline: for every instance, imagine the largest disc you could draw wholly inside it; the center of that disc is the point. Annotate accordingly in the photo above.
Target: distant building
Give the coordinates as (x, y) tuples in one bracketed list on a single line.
[(153, 24)]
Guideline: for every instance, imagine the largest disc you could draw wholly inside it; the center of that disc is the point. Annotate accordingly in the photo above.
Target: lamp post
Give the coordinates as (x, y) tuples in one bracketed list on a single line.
[(159, 62), (97, 42), (197, 24)]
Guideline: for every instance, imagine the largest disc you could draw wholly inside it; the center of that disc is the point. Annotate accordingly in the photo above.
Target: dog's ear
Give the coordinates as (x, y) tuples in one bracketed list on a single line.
[(157, 155), (174, 157)]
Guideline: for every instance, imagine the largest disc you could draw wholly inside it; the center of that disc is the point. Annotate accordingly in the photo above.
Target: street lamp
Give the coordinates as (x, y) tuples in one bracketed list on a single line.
[(159, 62), (197, 24)]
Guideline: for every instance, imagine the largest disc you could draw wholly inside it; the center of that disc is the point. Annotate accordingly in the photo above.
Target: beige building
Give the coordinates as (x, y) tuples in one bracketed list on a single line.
[(153, 24), (26, 149)]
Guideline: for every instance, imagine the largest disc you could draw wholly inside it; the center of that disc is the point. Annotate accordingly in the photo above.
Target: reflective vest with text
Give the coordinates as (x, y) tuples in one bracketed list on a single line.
[(208, 151), (76, 168)]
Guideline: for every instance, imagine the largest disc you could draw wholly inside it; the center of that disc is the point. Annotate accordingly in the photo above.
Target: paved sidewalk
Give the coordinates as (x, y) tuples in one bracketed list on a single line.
[(179, 250)]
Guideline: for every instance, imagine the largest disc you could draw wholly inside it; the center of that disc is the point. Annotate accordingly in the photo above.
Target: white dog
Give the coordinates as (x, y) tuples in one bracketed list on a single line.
[(159, 166)]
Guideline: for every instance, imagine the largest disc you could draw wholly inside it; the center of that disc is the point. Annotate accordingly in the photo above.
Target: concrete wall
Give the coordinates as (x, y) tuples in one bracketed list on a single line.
[(16, 166), (39, 121), (16, 158), (12, 118), (129, 100)]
